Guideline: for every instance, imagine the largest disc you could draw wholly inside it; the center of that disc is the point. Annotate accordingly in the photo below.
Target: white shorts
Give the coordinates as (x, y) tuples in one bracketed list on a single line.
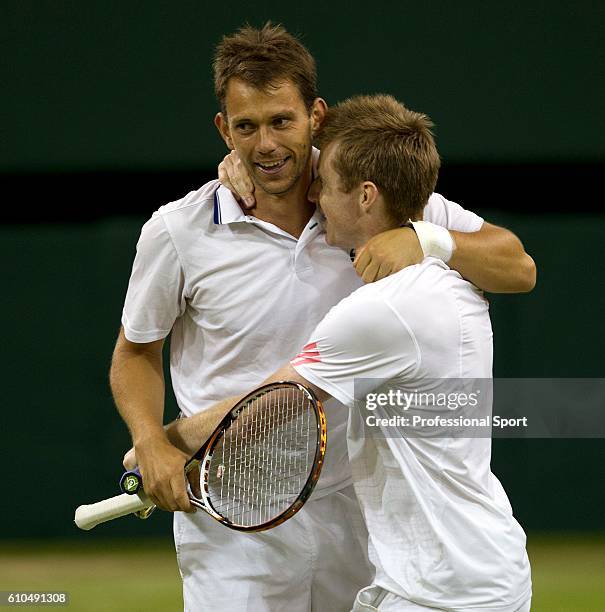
[(377, 599), (315, 561)]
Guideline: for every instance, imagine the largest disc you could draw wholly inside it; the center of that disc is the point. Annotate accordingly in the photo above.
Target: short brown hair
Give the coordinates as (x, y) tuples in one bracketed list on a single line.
[(262, 58), (384, 142)]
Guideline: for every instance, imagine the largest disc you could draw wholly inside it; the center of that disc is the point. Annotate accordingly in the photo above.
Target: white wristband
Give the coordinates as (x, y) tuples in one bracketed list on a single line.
[(435, 241)]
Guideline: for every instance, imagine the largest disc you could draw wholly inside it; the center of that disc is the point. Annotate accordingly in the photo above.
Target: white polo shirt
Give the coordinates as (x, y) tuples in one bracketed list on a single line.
[(241, 296), (441, 529)]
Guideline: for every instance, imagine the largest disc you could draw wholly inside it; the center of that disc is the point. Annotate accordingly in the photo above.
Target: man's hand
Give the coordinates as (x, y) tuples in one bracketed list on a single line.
[(193, 476), (162, 468), (234, 176), (388, 253)]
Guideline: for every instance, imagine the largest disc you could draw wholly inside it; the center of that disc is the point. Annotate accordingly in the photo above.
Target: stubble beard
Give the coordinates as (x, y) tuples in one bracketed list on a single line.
[(277, 189)]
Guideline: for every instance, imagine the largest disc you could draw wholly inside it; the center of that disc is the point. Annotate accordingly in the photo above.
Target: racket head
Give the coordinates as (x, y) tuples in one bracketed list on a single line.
[(262, 463)]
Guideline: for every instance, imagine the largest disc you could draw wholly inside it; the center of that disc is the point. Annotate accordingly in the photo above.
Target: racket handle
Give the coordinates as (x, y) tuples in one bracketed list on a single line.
[(91, 515)]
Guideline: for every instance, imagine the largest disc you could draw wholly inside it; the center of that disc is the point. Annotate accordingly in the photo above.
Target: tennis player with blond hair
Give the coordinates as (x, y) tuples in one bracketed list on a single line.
[(442, 535)]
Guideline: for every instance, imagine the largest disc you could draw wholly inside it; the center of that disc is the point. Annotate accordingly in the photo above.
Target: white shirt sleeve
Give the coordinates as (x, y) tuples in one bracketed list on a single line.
[(154, 299), (451, 215), (358, 339)]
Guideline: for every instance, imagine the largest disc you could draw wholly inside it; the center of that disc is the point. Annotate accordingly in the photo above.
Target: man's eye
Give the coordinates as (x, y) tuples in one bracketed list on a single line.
[(280, 122), (244, 127)]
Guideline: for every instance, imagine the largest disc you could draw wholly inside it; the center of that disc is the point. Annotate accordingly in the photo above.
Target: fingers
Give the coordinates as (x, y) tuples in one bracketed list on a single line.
[(130, 460), (179, 494), (370, 272), (193, 476), (384, 270), (159, 491), (162, 468), (362, 258), (241, 181), (388, 253), (371, 269), (233, 174), (169, 495), (361, 261), (223, 176)]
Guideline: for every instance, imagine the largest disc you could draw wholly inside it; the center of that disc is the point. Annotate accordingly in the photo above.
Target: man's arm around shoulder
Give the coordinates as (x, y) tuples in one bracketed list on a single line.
[(493, 259)]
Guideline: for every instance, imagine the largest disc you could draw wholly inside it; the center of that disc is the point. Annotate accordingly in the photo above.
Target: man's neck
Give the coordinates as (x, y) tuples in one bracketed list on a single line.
[(371, 229), (289, 211)]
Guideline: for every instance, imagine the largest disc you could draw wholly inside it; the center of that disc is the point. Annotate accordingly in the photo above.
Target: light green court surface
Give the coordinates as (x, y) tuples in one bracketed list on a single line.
[(568, 573)]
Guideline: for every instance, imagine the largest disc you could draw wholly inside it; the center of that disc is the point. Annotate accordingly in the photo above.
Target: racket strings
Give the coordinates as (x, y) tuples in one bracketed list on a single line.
[(262, 462)]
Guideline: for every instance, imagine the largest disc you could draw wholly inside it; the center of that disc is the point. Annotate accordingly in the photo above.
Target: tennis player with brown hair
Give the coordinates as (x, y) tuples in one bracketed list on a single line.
[(240, 291), (442, 535)]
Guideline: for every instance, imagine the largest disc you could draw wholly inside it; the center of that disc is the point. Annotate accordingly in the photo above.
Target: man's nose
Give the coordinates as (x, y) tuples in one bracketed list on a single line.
[(266, 143)]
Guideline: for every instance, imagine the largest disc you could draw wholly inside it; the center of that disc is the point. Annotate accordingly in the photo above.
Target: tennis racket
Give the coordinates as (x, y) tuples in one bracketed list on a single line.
[(257, 469)]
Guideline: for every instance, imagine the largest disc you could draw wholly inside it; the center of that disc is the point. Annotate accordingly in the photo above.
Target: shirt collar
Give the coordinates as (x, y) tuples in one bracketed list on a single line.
[(226, 207), (227, 210)]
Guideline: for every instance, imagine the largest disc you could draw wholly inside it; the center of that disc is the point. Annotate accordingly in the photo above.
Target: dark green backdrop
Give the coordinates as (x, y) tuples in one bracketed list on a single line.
[(128, 85)]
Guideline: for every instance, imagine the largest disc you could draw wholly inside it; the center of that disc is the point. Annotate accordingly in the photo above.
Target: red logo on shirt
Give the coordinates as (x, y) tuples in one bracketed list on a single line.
[(309, 354)]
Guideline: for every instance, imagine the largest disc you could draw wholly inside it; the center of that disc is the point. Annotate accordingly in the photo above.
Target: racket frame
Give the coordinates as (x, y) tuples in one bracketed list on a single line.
[(204, 455)]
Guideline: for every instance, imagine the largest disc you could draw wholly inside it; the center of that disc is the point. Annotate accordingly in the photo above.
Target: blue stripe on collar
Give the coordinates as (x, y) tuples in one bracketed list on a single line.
[(217, 209)]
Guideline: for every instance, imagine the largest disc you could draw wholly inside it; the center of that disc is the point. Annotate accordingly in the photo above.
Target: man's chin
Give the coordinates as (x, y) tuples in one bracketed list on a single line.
[(278, 184), (276, 187)]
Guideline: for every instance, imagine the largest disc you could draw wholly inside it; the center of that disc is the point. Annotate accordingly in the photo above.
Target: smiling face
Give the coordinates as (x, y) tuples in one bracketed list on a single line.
[(271, 130), (341, 210)]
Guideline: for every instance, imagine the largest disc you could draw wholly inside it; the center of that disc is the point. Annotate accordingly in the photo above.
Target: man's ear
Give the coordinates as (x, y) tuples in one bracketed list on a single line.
[(222, 125), (318, 114), (368, 196)]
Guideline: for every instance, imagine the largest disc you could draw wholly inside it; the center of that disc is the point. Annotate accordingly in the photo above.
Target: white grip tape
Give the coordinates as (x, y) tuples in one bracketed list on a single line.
[(436, 241), (89, 516)]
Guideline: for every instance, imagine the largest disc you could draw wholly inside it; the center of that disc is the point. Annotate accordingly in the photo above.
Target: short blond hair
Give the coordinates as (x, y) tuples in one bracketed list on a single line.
[(263, 58), (384, 142)]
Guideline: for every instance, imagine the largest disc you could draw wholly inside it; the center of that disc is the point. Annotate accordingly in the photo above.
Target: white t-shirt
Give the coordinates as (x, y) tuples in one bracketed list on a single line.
[(441, 529), (240, 297)]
